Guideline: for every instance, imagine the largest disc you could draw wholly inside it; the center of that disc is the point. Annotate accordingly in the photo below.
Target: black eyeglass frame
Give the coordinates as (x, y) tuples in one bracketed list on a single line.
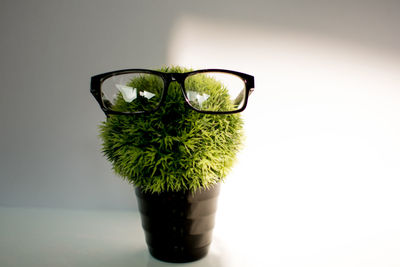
[(168, 77)]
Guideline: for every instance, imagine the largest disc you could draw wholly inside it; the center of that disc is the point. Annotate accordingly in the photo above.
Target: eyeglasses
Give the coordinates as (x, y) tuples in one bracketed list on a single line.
[(134, 91)]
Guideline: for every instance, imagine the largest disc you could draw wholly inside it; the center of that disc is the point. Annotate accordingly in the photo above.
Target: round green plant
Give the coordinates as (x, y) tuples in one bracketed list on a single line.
[(174, 148)]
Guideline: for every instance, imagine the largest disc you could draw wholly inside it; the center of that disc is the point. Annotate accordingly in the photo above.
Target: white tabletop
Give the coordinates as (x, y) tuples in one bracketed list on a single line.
[(56, 237), (59, 237)]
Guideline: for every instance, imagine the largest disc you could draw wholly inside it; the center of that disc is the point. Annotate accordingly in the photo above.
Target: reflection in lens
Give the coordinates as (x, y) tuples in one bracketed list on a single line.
[(215, 91), (128, 93), (132, 92), (197, 97)]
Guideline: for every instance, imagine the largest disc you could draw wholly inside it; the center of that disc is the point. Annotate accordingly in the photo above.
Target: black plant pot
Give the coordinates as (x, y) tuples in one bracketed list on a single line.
[(178, 225)]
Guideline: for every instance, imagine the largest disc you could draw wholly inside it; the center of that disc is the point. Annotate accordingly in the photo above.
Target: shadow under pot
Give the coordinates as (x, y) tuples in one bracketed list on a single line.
[(178, 225)]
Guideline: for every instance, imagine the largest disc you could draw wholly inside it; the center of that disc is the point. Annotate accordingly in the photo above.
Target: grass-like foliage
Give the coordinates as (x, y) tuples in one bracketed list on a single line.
[(174, 148)]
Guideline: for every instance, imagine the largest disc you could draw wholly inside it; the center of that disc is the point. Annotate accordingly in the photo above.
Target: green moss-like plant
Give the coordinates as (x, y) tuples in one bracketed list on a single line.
[(174, 148)]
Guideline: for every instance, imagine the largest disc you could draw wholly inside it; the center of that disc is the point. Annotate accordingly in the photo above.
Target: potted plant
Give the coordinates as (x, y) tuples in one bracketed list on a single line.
[(174, 134)]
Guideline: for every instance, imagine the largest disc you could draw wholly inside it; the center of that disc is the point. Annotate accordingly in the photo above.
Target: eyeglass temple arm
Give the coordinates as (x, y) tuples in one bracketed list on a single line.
[(240, 97), (250, 83), (94, 89)]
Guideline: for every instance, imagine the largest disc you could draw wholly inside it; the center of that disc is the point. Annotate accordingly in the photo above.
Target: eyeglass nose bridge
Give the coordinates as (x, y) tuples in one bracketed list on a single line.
[(177, 77), (174, 77)]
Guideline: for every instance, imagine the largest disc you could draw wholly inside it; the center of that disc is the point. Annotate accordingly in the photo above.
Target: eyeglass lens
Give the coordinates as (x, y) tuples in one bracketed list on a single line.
[(132, 92), (215, 91)]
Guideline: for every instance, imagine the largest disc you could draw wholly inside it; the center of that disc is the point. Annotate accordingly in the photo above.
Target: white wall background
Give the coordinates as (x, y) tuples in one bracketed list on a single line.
[(322, 125)]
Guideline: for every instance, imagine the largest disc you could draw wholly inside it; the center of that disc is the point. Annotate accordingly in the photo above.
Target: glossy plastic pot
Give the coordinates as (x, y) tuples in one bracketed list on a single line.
[(178, 225)]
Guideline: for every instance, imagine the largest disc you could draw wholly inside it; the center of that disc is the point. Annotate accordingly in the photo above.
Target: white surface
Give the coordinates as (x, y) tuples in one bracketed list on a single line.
[(59, 237), (242, 237)]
